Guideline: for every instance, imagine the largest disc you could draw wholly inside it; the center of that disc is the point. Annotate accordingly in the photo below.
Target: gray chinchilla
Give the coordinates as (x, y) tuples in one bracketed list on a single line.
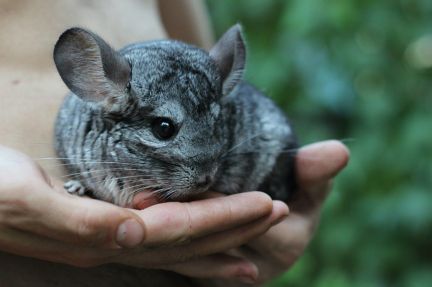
[(167, 118)]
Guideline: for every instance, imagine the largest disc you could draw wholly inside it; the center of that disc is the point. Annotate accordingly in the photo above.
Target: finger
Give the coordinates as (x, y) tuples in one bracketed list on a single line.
[(30, 245), (284, 242), (236, 237), (81, 221), (218, 266), (143, 200), (319, 162), (176, 222), (33, 202), (203, 246), (280, 247)]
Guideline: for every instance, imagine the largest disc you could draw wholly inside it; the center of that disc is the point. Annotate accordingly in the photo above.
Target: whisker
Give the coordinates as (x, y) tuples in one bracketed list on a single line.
[(168, 194), (137, 178), (293, 150), (142, 186), (243, 142), (139, 188), (78, 160), (252, 152), (162, 193), (161, 190), (102, 170), (135, 191)]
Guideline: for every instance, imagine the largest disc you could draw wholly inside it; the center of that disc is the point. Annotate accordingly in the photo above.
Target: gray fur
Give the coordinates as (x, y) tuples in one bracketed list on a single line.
[(229, 54), (233, 142), (92, 70)]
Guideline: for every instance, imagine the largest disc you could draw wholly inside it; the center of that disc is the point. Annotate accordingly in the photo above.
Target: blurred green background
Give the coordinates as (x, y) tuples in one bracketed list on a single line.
[(359, 71)]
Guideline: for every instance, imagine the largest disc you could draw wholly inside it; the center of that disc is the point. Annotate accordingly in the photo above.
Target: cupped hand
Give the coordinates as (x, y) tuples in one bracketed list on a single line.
[(39, 219), (280, 247)]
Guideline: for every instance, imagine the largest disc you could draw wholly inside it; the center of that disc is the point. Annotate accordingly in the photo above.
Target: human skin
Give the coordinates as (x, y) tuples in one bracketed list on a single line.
[(35, 221), (30, 94), (220, 237), (39, 219), (279, 248)]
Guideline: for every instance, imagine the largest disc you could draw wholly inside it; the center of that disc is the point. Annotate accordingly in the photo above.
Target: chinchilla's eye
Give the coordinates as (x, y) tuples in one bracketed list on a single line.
[(163, 128)]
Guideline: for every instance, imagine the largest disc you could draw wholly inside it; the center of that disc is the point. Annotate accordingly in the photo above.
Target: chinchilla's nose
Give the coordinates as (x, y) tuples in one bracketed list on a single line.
[(204, 180)]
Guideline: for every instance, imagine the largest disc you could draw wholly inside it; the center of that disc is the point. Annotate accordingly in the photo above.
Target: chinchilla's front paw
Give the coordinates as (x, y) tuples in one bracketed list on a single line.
[(75, 187)]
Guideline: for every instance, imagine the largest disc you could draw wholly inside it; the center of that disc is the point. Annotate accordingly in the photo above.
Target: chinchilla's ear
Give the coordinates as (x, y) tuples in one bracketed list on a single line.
[(92, 69), (229, 53)]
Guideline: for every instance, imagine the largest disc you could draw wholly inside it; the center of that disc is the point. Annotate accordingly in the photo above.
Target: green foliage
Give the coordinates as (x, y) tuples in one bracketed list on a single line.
[(359, 71)]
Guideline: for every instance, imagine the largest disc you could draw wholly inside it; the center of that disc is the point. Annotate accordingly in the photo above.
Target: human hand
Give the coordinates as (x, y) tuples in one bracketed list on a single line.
[(280, 247), (39, 219)]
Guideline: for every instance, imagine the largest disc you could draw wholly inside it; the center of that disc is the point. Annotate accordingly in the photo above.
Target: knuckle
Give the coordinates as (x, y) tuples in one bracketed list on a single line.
[(89, 231), (228, 211), (184, 225), (265, 200), (186, 254), (14, 209), (182, 257)]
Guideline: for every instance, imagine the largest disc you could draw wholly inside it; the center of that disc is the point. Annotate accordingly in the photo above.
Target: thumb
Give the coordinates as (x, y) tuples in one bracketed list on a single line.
[(78, 220), (316, 165), (32, 201)]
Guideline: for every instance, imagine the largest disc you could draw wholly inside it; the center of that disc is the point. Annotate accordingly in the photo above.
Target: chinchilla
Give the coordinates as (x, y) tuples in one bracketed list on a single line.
[(167, 118)]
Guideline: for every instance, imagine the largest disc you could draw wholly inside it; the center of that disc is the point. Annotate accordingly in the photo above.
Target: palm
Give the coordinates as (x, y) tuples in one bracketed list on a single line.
[(280, 247)]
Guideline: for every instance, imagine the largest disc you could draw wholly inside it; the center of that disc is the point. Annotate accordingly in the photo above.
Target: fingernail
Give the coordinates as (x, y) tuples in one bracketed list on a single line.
[(248, 274), (130, 233), (279, 205), (281, 209), (280, 219)]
